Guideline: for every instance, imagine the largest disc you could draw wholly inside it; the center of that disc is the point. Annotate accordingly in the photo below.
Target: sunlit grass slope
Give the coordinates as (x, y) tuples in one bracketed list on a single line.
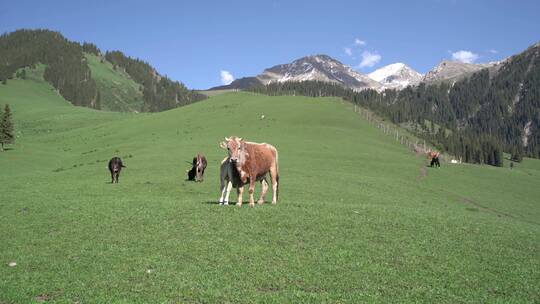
[(118, 91), (360, 218)]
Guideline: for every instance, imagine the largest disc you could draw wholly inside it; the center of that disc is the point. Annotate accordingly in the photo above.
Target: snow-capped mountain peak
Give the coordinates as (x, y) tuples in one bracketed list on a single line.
[(382, 73), (319, 68), (396, 76)]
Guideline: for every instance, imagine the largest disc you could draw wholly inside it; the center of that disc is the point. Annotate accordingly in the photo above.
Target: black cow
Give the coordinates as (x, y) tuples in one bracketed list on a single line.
[(115, 166), (196, 173)]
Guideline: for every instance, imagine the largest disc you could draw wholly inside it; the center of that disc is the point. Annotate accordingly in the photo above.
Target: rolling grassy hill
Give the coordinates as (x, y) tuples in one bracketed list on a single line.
[(360, 218)]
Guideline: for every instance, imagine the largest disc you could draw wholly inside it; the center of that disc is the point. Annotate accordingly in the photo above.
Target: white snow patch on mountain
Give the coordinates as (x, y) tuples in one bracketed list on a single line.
[(396, 76)]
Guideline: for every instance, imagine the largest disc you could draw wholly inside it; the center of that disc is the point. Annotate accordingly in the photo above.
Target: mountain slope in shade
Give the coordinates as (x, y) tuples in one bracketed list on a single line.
[(396, 76), (239, 84)]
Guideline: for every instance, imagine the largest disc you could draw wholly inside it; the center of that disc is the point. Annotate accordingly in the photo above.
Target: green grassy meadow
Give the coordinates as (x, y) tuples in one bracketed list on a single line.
[(360, 218)]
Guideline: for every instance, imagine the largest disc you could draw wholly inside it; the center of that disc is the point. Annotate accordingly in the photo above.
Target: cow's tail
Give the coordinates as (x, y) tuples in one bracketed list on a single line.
[(277, 187)]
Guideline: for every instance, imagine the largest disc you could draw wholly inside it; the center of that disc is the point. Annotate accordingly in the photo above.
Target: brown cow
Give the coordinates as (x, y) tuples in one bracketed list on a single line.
[(434, 156), (229, 178), (198, 165), (253, 162)]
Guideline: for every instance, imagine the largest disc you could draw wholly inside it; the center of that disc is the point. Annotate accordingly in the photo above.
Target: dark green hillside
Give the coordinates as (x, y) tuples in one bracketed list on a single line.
[(66, 70), (160, 93), (70, 68)]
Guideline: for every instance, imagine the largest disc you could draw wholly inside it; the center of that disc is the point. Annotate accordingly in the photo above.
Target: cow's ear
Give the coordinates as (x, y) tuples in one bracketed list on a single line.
[(223, 145), (239, 138), (227, 138)]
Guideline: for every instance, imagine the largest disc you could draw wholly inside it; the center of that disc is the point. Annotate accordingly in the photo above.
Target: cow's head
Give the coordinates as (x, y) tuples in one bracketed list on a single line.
[(235, 147), (432, 154), (115, 165), (199, 164)]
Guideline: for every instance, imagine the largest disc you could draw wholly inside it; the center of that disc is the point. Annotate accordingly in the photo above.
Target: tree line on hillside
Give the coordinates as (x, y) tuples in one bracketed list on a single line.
[(68, 72), (159, 92), (476, 118), (6, 127)]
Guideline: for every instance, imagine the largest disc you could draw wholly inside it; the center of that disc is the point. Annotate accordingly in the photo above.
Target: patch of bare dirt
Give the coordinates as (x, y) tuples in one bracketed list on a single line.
[(423, 173), (43, 298)]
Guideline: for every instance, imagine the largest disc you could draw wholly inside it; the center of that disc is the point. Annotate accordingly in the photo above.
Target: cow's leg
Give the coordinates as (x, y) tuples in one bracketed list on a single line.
[(229, 187), (112, 177), (264, 189), (274, 176), (240, 191), (251, 190), (222, 189)]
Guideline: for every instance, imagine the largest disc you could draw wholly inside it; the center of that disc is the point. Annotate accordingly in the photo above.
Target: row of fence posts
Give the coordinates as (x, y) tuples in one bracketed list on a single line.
[(388, 130)]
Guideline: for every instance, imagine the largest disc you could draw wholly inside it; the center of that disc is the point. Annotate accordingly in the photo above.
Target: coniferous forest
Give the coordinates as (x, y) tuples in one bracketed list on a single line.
[(160, 93), (68, 72), (477, 118)]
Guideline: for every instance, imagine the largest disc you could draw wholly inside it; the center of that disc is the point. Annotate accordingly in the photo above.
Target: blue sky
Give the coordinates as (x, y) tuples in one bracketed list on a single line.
[(194, 41)]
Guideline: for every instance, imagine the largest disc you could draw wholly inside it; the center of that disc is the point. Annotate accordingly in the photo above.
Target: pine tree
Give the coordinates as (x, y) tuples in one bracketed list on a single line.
[(98, 101), (6, 128), (517, 154)]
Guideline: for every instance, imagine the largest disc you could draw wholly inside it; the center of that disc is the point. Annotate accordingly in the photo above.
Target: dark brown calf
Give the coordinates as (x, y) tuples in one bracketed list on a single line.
[(198, 165)]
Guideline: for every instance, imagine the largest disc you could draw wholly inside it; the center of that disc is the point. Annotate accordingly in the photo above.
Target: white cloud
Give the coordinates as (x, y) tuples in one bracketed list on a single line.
[(492, 51), (465, 56), (348, 51), (359, 42), (369, 59), (226, 77)]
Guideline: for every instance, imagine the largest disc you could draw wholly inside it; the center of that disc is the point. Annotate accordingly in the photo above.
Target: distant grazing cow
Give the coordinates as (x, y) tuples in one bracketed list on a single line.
[(198, 165), (115, 166), (434, 156), (253, 162)]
